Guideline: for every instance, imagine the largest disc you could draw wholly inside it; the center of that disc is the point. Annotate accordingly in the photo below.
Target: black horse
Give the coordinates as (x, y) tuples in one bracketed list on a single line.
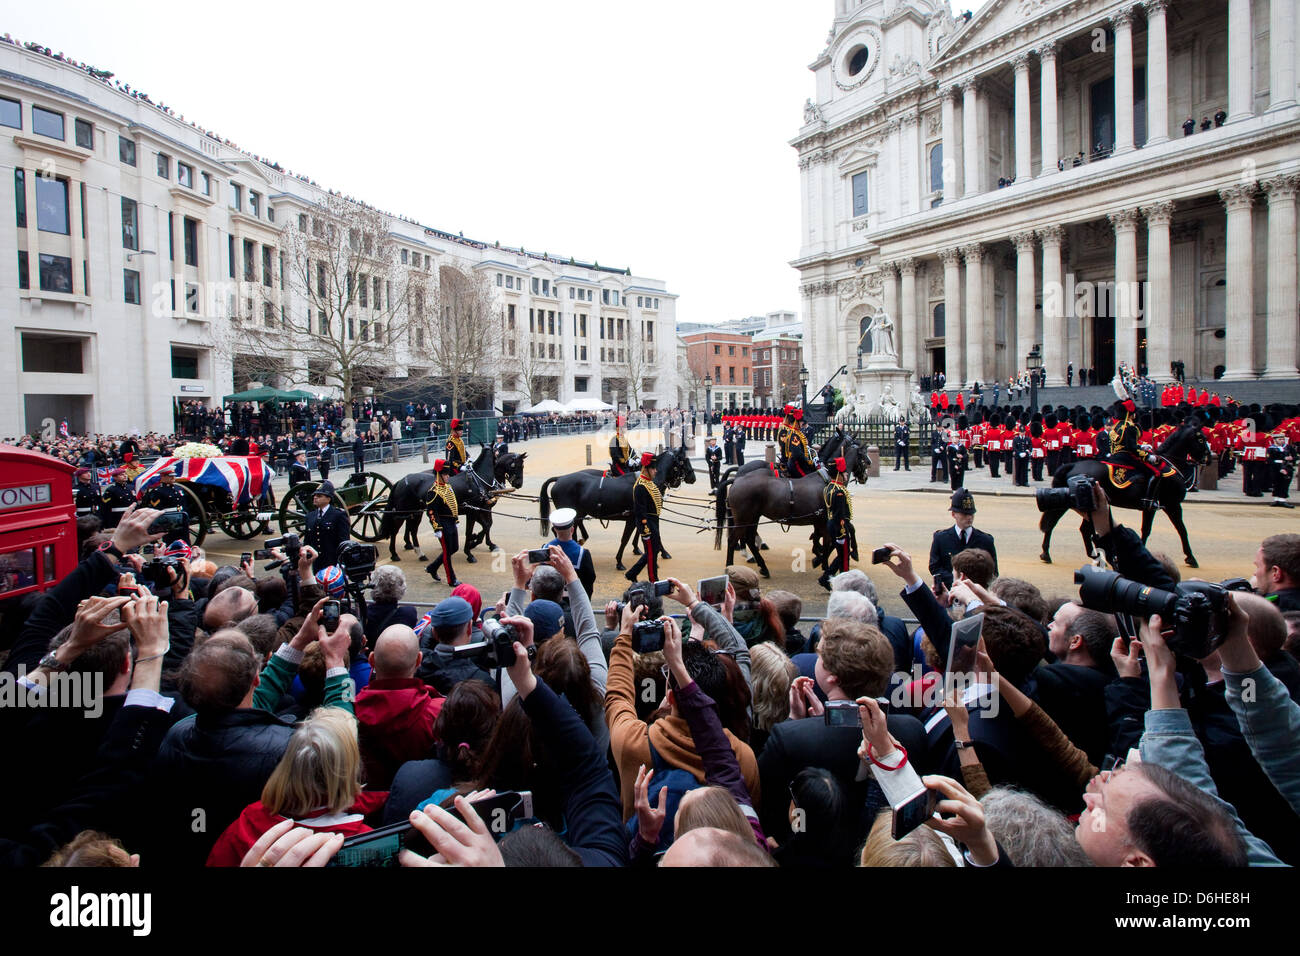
[(1185, 449), (592, 493), (743, 500), (476, 490)]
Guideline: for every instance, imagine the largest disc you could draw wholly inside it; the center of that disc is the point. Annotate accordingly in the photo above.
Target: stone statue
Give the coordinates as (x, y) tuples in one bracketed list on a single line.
[(882, 336), (889, 404)]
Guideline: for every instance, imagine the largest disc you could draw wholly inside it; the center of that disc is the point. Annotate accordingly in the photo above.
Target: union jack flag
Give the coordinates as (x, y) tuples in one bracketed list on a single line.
[(244, 478)]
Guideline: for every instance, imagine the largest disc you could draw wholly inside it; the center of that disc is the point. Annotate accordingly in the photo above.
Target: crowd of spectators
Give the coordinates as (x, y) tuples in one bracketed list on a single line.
[(231, 727)]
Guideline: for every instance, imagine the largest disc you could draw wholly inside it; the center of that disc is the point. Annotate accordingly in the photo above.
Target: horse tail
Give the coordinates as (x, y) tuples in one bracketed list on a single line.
[(544, 502), (720, 506)]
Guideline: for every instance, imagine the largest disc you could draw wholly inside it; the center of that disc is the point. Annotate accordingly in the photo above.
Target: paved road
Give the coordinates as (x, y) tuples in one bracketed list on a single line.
[(901, 508)]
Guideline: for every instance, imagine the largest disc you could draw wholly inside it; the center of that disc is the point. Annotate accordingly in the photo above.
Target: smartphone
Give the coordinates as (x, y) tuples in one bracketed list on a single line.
[(329, 615), (501, 812), (880, 555), (842, 713), (263, 554), (380, 848), (714, 590), (539, 556), (965, 640), (912, 812), (246, 557)]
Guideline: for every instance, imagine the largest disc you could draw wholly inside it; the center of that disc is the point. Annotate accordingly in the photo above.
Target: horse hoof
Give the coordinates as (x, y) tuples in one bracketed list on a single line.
[(470, 558), (620, 566), (408, 548), (1045, 558), (1191, 562), (665, 556), (422, 557), (763, 547), (765, 572)]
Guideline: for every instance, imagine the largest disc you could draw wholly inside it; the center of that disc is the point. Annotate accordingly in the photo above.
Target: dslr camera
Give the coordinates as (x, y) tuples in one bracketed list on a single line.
[(1197, 610), (648, 636), (497, 649), (292, 546), (357, 559), (647, 594), (156, 572), (1077, 493)]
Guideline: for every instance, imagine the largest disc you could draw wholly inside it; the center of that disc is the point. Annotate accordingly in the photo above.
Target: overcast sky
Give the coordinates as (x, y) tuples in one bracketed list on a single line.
[(650, 135)]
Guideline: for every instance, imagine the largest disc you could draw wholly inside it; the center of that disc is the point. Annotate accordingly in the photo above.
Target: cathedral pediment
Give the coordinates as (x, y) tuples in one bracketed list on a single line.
[(994, 21), (857, 158)]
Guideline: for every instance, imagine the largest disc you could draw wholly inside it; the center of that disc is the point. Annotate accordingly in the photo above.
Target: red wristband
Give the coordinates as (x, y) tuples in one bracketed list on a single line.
[(872, 758)]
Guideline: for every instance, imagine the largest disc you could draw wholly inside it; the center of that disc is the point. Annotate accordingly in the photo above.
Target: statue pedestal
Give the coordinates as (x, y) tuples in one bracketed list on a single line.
[(869, 384)]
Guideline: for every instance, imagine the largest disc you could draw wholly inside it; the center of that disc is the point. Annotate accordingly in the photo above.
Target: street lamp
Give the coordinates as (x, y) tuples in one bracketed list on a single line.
[(803, 388), (708, 406), (1033, 361)]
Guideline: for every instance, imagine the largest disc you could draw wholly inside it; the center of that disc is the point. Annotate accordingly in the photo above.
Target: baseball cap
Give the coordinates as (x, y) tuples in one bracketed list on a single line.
[(547, 618), (451, 612)]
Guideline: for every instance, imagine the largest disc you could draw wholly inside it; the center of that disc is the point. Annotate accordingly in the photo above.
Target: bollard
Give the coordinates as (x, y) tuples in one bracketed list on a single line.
[(769, 454), (1209, 477), (873, 461), (589, 454), (424, 452)]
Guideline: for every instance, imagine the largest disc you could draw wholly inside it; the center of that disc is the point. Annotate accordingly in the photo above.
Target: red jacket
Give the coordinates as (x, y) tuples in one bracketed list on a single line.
[(240, 836), (395, 719)]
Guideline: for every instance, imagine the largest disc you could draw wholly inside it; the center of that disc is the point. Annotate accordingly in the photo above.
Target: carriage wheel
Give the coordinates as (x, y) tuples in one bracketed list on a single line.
[(193, 506), (242, 524), (296, 505), (367, 518)]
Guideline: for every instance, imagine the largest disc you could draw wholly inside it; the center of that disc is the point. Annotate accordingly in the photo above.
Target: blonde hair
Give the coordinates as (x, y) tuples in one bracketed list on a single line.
[(771, 672), (320, 769), (921, 847), (711, 807), (90, 848)]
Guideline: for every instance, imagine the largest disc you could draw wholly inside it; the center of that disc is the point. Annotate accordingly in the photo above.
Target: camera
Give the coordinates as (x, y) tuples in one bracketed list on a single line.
[(156, 572), (880, 555), (292, 546), (648, 636), (357, 559), (173, 519), (497, 649), (1077, 493), (646, 595), (1197, 610)]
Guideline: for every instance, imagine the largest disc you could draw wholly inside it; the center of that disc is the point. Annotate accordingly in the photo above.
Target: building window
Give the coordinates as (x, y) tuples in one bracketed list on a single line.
[(185, 175), (56, 273), (731, 350), (255, 204), (47, 123), (939, 321), (500, 280), (649, 331), (745, 375), (131, 286), (404, 257), (130, 238), (572, 292), (936, 168), (250, 260), (206, 182), (52, 205), (731, 374), (20, 197), (537, 285), (510, 282), (164, 166), (322, 323), (84, 132), (231, 254), (191, 229), (192, 298), (267, 271), (11, 113), (379, 294), (580, 383), (126, 150), (510, 316), (583, 353), (638, 302), (24, 272), (171, 237), (185, 364), (236, 197), (860, 194), (717, 350)]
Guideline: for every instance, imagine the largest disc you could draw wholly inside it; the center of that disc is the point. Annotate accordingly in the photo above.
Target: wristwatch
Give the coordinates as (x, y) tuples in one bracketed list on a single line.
[(111, 549), (963, 744), (51, 662)]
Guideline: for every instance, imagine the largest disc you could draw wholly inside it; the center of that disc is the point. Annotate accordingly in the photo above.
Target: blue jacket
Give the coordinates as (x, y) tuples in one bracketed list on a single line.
[(1270, 722)]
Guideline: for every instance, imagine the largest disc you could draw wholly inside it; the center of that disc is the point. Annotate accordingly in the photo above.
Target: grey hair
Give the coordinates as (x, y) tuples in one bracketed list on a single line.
[(1032, 833), (389, 585), (855, 580), (546, 584), (851, 606)]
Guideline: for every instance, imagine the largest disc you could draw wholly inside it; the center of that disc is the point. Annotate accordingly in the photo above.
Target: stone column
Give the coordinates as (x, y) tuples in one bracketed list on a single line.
[(1281, 336), (914, 167), (1122, 24), (910, 326), (1054, 305), (1182, 237), (972, 160), (1281, 55), (1241, 44), (1160, 289), (974, 256), (1157, 74), (953, 342), (1025, 330), (1047, 59), (1240, 318), (1024, 149), (951, 163), (1124, 223)]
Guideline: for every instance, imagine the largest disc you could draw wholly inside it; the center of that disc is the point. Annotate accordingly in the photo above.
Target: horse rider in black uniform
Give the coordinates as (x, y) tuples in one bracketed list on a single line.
[(164, 495), (455, 455), (839, 524), (795, 454), (117, 498), (647, 503), (440, 503), (620, 451), (902, 445), (1124, 436)]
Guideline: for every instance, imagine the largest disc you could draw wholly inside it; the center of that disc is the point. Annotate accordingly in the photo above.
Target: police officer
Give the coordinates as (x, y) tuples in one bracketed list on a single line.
[(164, 495), (86, 495), (647, 503), (713, 457), (1281, 460), (740, 446), (938, 456), (455, 455), (327, 527), (620, 450), (1020, 449), (440, 503), (902, 445), (840, 535), (359, 452), (117, 498), (957, 461)]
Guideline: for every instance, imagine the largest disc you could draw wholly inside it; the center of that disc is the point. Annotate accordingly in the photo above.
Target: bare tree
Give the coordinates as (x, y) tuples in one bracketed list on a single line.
[(530, 365), (641, 361), (341, 312), (464, 336), (691, 373)]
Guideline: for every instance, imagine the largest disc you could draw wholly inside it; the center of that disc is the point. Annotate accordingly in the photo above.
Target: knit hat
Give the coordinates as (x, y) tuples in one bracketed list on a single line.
[(332, 580)]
